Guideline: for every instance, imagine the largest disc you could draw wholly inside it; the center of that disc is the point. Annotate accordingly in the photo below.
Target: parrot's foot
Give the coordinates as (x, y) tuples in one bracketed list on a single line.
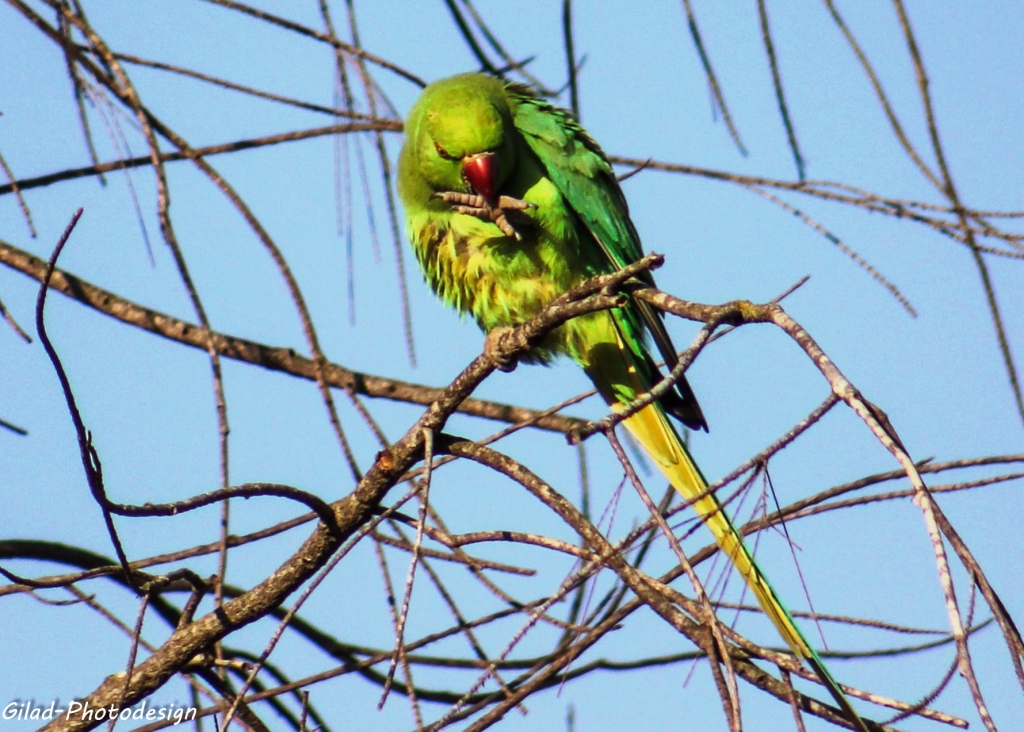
[(472, 204), (492, 347)]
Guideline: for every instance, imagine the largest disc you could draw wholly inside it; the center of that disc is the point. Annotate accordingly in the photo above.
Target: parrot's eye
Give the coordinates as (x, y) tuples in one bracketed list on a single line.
[(442, 152)]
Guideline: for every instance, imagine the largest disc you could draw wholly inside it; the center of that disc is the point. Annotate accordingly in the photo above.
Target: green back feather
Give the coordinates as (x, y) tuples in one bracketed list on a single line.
[(581, 171)]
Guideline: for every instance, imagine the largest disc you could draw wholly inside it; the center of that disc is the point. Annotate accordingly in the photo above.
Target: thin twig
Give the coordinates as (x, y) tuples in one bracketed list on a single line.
[(709, 72), (570, 58), (14, 323), (21, 199), (780, 95), (89, 456)]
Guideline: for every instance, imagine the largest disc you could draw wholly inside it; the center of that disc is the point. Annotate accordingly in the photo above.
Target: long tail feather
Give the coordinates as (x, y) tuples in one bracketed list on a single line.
[(652, 430)]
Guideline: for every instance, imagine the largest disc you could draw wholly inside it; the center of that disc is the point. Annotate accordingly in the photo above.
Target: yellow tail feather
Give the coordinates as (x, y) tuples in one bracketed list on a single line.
[(652, 430), (618, 381)]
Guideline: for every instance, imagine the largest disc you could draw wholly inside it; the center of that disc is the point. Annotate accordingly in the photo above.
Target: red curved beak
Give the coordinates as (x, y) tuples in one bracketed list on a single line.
[(482, 173)]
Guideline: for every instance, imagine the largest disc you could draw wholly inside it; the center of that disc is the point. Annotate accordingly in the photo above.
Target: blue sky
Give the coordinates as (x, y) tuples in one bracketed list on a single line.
[(149, 402)]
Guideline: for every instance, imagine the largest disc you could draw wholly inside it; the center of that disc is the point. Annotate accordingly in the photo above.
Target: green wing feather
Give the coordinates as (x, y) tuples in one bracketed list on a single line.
[(581, 171)]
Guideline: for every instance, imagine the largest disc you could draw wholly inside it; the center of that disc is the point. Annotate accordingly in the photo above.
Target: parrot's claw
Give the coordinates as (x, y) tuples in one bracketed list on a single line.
[(492, 347), (506, 228), (470, 200), (515, 204), (480, 213), (472, 204)]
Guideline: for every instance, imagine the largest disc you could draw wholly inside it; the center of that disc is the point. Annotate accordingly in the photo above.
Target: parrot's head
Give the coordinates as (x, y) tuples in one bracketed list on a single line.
[(465, 137)]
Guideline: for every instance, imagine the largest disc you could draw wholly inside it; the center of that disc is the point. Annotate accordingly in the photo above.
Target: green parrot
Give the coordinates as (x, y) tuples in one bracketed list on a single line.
[(508, 204)]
